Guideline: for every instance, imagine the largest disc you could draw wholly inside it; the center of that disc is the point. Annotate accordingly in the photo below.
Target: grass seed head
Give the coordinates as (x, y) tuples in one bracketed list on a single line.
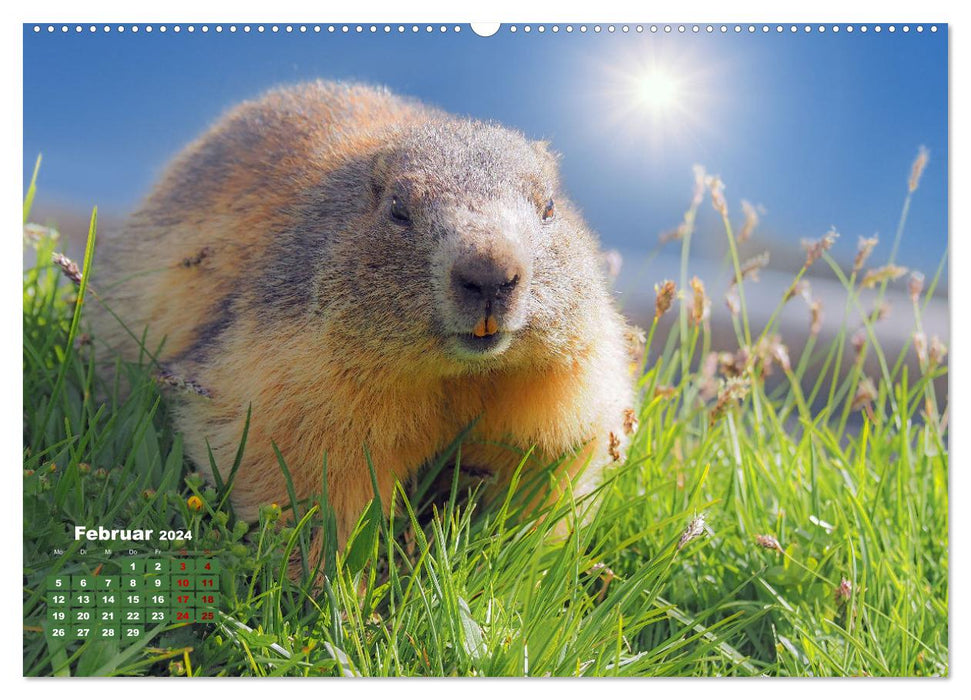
[(920, 346), (887, 273), (734, 365), (613, 261), (630, 421), (733, 390), (843, 592), (664, 296), (732, 301), (768, 542), (613, 447), (700, 303), (863, 250), (750, 223), (750, 268), (692, 531), (866, 392), (708, 384), (770, 350), (167, 377), (636, 342), (937, 351), (881, 310), (665, 391), (816, 247), (815, 317), (915, 285), (858, 341), (675, 234), (917, 169), (801, 288), (701, 180), (35, 234), (68, 267), (717, 189)]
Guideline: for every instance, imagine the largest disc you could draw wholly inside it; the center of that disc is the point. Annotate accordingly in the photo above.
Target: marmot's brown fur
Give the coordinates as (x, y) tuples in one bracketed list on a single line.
[(363, 269)]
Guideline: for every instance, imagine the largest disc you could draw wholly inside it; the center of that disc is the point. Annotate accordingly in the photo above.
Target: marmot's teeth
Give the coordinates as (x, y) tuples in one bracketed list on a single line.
[(485, 326)]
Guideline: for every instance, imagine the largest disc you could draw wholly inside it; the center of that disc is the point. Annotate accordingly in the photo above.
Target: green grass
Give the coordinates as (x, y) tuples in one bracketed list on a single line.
[(677, 573)]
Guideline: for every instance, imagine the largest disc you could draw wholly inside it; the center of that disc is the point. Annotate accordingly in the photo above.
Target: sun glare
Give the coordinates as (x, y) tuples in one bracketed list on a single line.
[(657, 90), (663, 97)]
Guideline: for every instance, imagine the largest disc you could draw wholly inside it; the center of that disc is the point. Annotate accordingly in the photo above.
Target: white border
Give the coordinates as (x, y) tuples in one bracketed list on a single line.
[(282, 11)]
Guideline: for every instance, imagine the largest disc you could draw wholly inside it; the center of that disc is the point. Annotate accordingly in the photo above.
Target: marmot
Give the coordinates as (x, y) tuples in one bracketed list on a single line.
[(362, 269)]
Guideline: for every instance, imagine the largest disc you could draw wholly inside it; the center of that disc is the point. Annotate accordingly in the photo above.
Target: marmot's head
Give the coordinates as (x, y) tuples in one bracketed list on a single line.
[(471, 251)]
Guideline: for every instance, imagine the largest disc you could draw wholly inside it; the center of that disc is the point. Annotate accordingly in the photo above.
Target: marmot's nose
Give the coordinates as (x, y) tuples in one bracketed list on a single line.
[(482, 280)]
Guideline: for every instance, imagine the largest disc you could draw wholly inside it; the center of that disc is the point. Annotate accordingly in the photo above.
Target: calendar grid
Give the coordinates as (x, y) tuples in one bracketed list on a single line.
[(120, 598)]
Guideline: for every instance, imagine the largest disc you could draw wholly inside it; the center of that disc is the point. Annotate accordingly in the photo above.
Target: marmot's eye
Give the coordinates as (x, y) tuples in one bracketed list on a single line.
[(399, 212), (549, 211)]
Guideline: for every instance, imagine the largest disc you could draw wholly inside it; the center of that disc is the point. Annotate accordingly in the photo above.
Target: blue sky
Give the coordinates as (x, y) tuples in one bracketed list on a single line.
[(819, 129)]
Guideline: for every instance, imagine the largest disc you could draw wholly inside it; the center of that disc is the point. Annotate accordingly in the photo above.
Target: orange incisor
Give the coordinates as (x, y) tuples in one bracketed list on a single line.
[(485, 326)]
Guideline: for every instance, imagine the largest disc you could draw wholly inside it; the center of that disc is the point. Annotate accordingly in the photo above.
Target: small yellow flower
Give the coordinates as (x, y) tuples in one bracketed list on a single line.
[(194, 503)]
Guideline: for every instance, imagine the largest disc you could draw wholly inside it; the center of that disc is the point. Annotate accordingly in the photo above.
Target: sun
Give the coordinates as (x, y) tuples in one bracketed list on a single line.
[(658, 95), (657, 90)]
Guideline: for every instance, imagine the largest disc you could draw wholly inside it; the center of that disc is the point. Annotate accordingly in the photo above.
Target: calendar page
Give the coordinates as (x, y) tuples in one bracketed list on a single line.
[(546, 349)]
